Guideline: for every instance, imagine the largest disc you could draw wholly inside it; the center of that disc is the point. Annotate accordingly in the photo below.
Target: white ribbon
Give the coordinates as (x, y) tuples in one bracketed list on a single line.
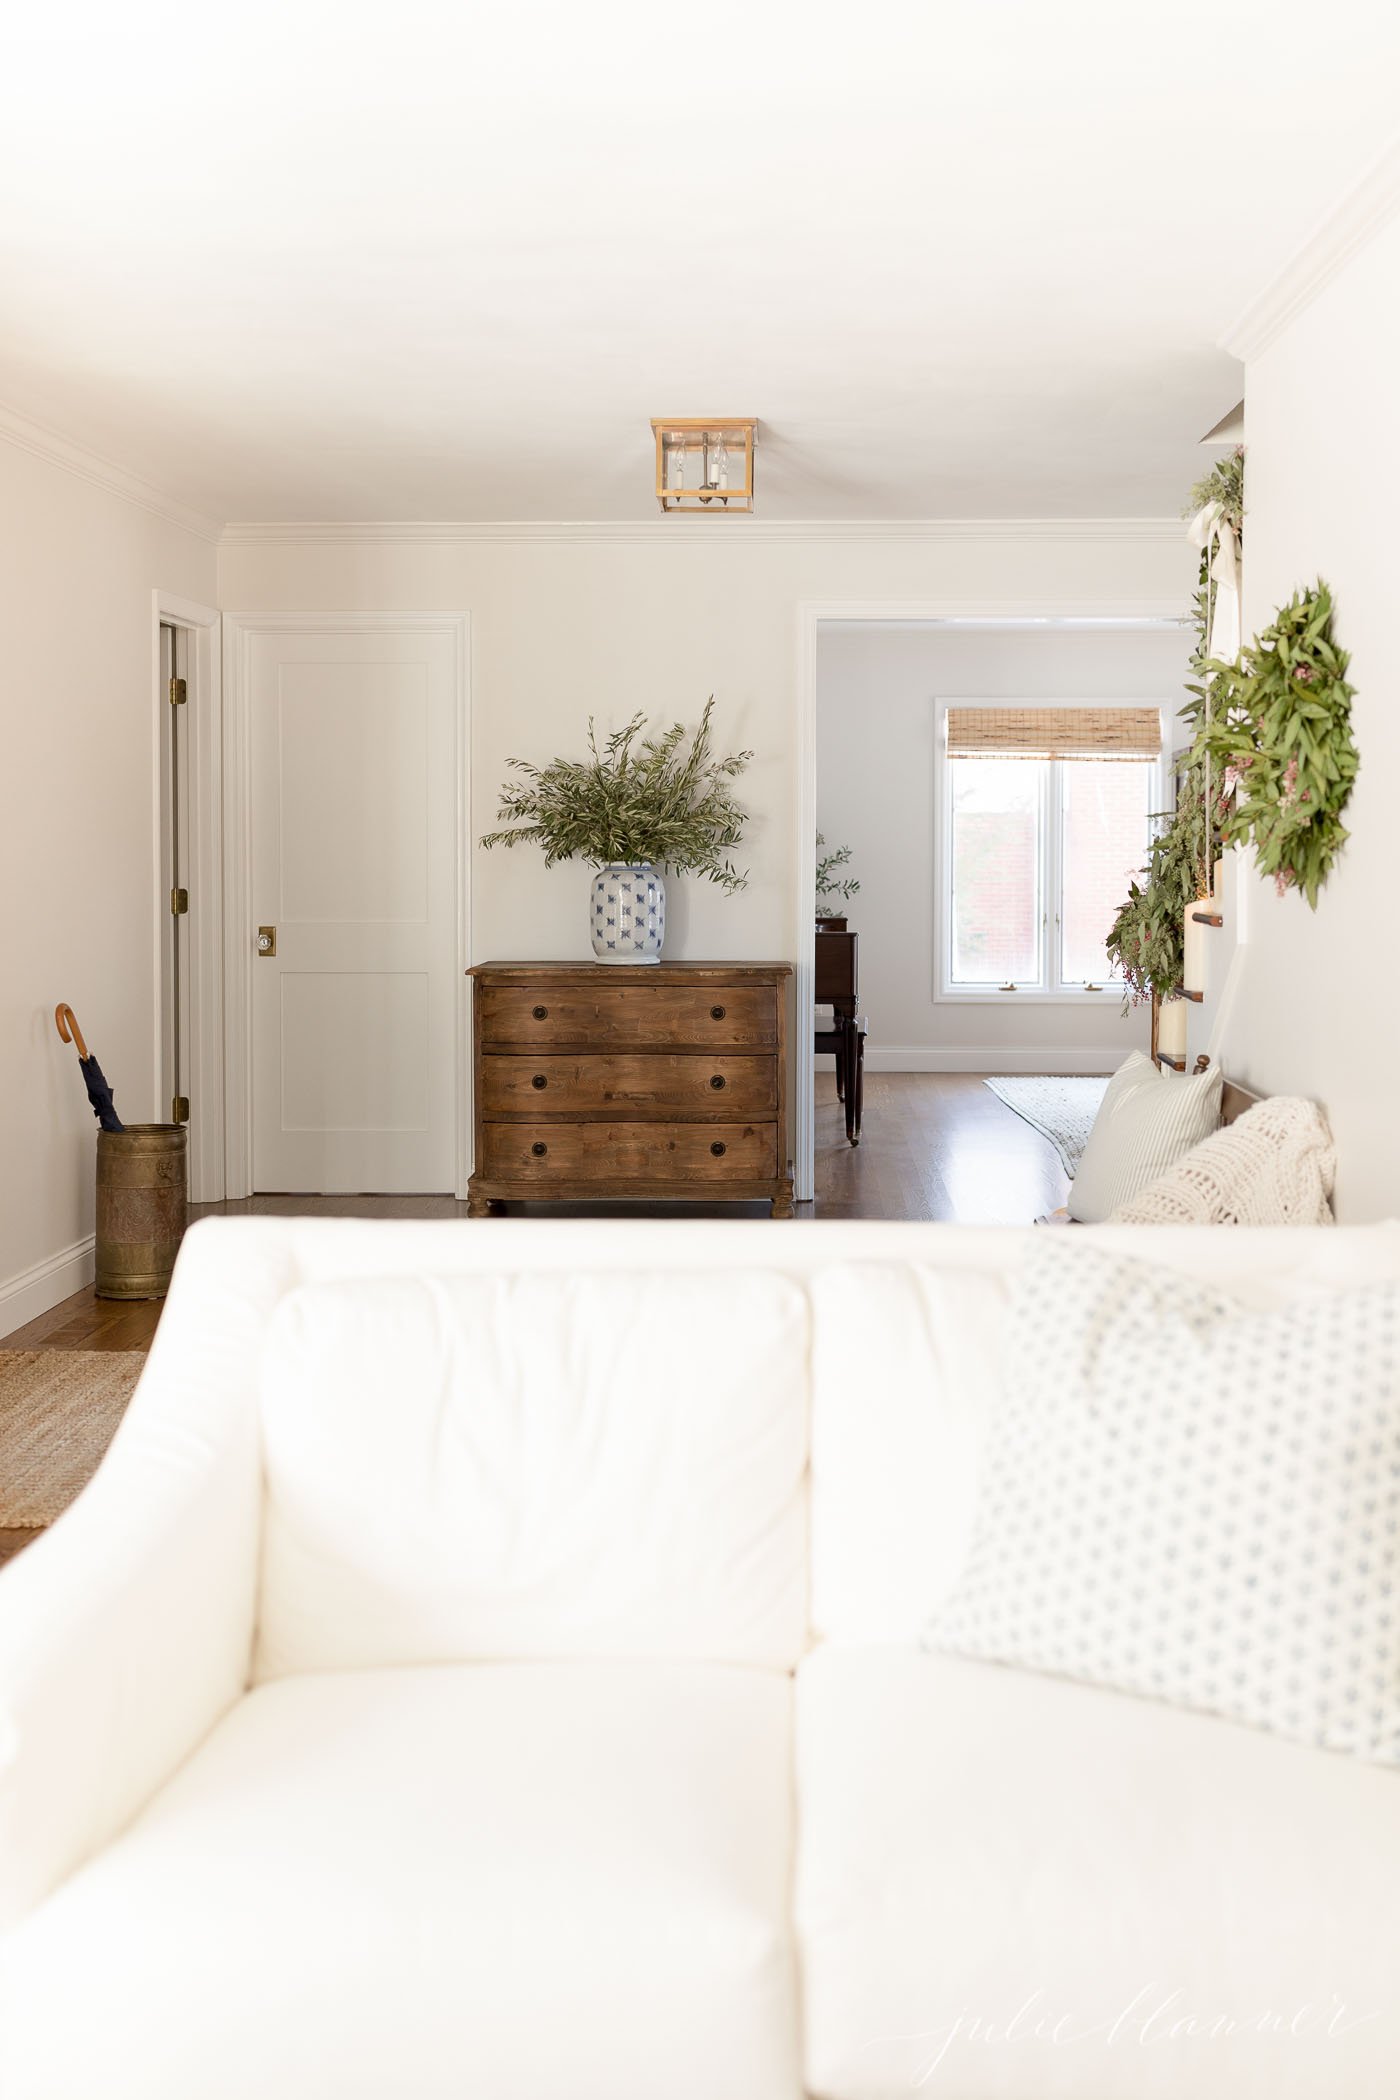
[(1211, 529)]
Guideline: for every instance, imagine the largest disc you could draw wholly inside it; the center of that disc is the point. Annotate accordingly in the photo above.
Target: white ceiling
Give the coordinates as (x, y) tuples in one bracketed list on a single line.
[(342, 259)]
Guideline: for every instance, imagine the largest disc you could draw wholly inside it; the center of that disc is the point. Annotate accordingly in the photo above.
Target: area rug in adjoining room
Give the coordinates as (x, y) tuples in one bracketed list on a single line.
[(59, 1409), (1062, 1110)]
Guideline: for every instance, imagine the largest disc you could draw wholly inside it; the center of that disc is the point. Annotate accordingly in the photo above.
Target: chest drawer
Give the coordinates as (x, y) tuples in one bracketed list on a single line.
[(654, 1081), (626, 1016), (547, 1154)]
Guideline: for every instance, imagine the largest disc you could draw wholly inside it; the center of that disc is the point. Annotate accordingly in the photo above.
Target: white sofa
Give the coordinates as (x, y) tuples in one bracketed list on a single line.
[(487, 1665)]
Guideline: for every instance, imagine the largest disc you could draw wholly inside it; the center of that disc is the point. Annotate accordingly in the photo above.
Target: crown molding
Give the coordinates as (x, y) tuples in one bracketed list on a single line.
[(652, 531), (31, 437), (1368, 206)]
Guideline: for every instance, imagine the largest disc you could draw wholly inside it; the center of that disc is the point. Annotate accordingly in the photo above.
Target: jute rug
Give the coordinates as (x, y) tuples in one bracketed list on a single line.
[(1062, 1110), (59, 1409)]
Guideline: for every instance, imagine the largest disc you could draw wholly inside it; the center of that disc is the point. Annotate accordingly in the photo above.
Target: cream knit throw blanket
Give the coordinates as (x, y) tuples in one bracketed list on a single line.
[(1274, 1166)]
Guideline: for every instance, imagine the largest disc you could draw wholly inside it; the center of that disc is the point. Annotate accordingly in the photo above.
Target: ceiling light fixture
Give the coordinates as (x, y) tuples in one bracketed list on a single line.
[(705, 462)]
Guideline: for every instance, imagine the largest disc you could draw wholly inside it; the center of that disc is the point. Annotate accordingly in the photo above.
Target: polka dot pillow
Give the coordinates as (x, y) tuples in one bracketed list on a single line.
[(1188, 1499)]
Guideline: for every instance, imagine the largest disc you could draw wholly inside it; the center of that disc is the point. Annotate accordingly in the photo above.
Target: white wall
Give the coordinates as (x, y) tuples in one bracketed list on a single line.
[(566, 622), (877, 687), (1318, 1009), (78, 718)]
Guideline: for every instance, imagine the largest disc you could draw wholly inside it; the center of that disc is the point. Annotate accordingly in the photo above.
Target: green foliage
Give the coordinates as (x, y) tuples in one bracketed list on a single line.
[(660, 801), (827, 864), (1146, 939), (1224, 484), (1280, 732)]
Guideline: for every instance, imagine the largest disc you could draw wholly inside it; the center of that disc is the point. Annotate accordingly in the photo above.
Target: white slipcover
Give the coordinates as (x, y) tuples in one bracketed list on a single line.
[(570, 1875), (508, 1881), (1013, 1885), (459, 1468)]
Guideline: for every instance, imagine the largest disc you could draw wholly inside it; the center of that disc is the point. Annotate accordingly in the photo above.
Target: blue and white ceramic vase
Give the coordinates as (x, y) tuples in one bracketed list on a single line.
[(628, 920)]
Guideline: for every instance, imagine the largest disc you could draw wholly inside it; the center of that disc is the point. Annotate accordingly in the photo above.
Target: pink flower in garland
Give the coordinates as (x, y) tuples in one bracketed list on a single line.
[(1303, 673)]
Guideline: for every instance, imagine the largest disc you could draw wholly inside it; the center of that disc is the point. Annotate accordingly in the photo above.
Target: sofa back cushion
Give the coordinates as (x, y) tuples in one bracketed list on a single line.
[(535, 1466), (907, 1369), (905, 1361)]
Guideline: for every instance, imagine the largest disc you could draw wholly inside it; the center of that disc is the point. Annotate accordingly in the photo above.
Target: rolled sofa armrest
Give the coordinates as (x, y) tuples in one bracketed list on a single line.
[(126, 1630)]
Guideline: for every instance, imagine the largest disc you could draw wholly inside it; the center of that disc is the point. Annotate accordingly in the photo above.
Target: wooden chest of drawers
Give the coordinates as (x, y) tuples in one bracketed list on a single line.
[(658, 1081)]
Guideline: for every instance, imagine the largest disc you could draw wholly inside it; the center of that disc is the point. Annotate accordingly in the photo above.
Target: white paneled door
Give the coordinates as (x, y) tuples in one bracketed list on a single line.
[(354, 774)]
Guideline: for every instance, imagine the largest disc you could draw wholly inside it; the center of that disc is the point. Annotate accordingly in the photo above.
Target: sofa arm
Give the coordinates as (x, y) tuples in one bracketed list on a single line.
[(125, 1631)]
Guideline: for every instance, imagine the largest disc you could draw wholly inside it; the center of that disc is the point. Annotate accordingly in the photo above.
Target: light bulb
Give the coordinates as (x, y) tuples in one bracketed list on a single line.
[(719, 463), (678, 460)]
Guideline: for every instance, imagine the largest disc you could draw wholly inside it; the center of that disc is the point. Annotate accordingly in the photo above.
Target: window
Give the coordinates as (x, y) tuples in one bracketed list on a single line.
[(1039, 848)]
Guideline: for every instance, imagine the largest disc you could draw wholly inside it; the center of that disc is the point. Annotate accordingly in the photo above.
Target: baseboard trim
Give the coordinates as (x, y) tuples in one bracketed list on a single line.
[(993, 1058), (47, 1284)]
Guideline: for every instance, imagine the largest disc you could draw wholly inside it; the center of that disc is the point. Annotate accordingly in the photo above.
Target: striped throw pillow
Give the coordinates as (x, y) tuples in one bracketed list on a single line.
[(1149, 1118)]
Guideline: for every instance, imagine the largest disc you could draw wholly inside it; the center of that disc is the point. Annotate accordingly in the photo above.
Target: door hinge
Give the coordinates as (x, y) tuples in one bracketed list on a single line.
[(179, 903), (180, 1109), (177, 692)]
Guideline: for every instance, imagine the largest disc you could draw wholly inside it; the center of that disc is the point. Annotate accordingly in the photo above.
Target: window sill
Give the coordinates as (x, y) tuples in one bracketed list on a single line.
[(1025, 997)]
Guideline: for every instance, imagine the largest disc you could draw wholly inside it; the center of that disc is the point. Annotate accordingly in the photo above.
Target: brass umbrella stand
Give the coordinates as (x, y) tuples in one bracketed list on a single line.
[(142, 1186)]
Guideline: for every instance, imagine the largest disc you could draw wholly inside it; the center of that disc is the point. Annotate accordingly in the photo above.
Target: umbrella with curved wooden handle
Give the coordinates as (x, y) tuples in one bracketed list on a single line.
[(98, 1088)]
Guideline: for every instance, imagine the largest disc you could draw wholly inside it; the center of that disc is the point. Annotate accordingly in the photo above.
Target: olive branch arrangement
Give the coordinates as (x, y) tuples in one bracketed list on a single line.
[(659, 800), (828, 883)]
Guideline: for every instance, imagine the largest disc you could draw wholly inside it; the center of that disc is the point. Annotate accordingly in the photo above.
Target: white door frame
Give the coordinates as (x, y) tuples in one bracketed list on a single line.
[(239, 629), (811, 615), (204, 729)]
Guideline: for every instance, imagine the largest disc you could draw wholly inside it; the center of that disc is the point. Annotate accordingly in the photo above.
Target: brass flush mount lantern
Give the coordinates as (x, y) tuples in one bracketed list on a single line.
[(705, 462)]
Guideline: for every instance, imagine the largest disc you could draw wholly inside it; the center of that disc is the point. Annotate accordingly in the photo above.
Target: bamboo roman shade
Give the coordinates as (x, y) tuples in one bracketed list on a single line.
[(1054, 732)]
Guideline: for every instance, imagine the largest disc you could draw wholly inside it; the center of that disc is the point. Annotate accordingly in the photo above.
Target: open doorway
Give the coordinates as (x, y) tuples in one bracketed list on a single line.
[(976, 771)]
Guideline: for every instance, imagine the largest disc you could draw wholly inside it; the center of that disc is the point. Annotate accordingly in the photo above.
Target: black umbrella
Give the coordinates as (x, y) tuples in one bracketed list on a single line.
[(99, 1092)]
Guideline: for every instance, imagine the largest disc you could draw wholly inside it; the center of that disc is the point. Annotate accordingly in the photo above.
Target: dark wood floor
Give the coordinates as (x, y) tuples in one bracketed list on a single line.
[(934, 1145)]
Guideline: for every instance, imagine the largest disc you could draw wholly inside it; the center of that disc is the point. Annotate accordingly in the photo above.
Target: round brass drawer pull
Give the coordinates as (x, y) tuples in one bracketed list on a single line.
[(539, 1150), (540, 1013), (718, 1149), (716, 1013), (539, 1082), (718, 1082)]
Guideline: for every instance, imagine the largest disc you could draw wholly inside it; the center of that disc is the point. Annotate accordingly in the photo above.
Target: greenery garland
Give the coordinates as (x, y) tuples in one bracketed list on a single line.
[(1272, 732), (1224, 485), (1147, 939), (658, 803), (1280, 732)]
